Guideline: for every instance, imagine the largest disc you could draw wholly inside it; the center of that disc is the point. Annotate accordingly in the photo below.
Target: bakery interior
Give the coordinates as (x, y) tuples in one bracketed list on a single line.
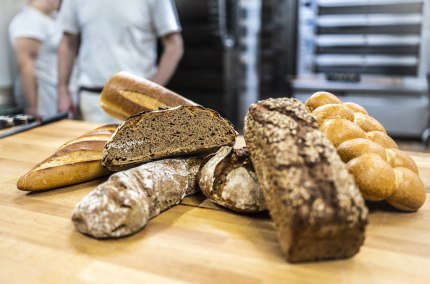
[(238, 52), (375, 53)]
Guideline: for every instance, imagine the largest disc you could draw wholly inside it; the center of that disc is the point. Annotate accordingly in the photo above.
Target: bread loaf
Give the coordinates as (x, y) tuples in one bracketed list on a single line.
[(76, 161), (228, 179), (165, 133), (128, 200), (126, 94), (317, 209), (371, 155)]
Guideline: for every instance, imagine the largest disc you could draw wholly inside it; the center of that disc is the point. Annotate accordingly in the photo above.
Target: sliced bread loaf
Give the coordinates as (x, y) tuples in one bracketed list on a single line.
[(166, 133)]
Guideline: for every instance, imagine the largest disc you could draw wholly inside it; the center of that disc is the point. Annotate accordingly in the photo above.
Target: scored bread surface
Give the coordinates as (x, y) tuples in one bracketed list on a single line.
[(165, 133), (317, 208)]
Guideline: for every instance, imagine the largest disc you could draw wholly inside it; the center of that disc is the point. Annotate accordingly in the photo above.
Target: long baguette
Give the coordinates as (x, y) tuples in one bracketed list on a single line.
[(129, 199), (76, 161), (126, 94)]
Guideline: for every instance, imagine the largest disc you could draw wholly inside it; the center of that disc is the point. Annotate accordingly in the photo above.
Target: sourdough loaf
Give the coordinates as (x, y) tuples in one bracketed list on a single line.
[(228, 179), (165, 133), (317, 209), (126, 94), (129, 199), (380, 169), (76, 161)]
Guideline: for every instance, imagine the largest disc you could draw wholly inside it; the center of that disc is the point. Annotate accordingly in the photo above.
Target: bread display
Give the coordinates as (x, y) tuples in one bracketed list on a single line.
[(228, 179), (379, 167), (126, 94), (129, 199), (165, 133), (76, 161), (317, 209)]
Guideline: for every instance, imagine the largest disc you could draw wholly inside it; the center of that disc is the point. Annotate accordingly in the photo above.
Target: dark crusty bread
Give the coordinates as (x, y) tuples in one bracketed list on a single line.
[(126, 94), (76, 161), (318, 210), (228, 179), (128, 200), (165, 133)]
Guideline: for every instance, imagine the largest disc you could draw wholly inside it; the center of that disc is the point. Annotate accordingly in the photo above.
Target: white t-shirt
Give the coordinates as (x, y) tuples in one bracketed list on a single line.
[(117, 35), (31, 23)]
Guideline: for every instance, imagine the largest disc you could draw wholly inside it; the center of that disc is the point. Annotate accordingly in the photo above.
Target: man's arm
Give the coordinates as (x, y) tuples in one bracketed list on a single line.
[(171, 55), (67, 51), (26, 52)]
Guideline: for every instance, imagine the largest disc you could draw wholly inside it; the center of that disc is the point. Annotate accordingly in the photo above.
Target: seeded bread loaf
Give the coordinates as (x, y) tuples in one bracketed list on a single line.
[(76, 161), (379, 167), (165, 133), (128, 200), (228, 179), (317, 209), (126, 94)]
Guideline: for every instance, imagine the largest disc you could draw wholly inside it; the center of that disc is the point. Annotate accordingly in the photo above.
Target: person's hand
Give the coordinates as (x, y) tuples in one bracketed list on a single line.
[(32, 110), (65, 103)]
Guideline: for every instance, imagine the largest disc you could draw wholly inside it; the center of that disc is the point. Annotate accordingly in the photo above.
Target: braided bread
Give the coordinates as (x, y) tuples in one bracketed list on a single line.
[(380, 169)]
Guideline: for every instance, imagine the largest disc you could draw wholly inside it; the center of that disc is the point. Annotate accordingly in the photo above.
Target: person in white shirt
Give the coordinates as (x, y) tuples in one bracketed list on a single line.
[(113, 36), (35, 37)]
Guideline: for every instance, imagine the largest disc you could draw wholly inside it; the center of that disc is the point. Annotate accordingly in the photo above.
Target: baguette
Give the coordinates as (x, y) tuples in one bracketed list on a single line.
[(317, 209), (76, 161), (126, 202), (229, 180), (381, 170), (126, 94), (166, 133)]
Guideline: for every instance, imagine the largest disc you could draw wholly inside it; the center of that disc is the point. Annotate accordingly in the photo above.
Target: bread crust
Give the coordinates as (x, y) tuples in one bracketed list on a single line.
[(317, 209), (76, 161), (229, 180), (126, 94), (379, 177)]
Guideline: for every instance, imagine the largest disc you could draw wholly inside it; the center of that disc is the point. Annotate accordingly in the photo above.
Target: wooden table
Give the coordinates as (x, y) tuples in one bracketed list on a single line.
[(38, 243)]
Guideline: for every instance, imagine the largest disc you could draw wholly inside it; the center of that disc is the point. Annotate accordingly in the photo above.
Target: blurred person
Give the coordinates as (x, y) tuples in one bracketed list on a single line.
[(110, 36), (35, 37)]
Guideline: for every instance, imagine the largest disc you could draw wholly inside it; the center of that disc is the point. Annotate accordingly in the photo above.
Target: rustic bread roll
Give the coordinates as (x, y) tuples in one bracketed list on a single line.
[(378, 176), (228, 179), (128, 200), (125, 94), (76, 161), (165, 133), (318, 210)]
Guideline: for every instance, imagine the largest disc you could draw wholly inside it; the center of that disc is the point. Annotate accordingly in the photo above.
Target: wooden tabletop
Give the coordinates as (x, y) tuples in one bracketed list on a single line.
[(192, 242)]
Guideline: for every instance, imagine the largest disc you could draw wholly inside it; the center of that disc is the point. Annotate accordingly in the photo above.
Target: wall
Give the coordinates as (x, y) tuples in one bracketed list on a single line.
[(8, 8)]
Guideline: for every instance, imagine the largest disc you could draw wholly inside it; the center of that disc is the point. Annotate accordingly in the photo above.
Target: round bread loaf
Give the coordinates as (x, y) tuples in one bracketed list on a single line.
[(229, 180), (381, 170)]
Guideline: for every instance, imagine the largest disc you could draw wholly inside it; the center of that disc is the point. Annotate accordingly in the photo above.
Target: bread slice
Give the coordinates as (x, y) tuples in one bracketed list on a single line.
[(76, 161), (165, 133), (317, 209), (126, 94)]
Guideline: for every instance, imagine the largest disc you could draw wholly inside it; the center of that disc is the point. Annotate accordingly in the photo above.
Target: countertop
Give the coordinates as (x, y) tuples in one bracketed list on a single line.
[(192, 242)]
